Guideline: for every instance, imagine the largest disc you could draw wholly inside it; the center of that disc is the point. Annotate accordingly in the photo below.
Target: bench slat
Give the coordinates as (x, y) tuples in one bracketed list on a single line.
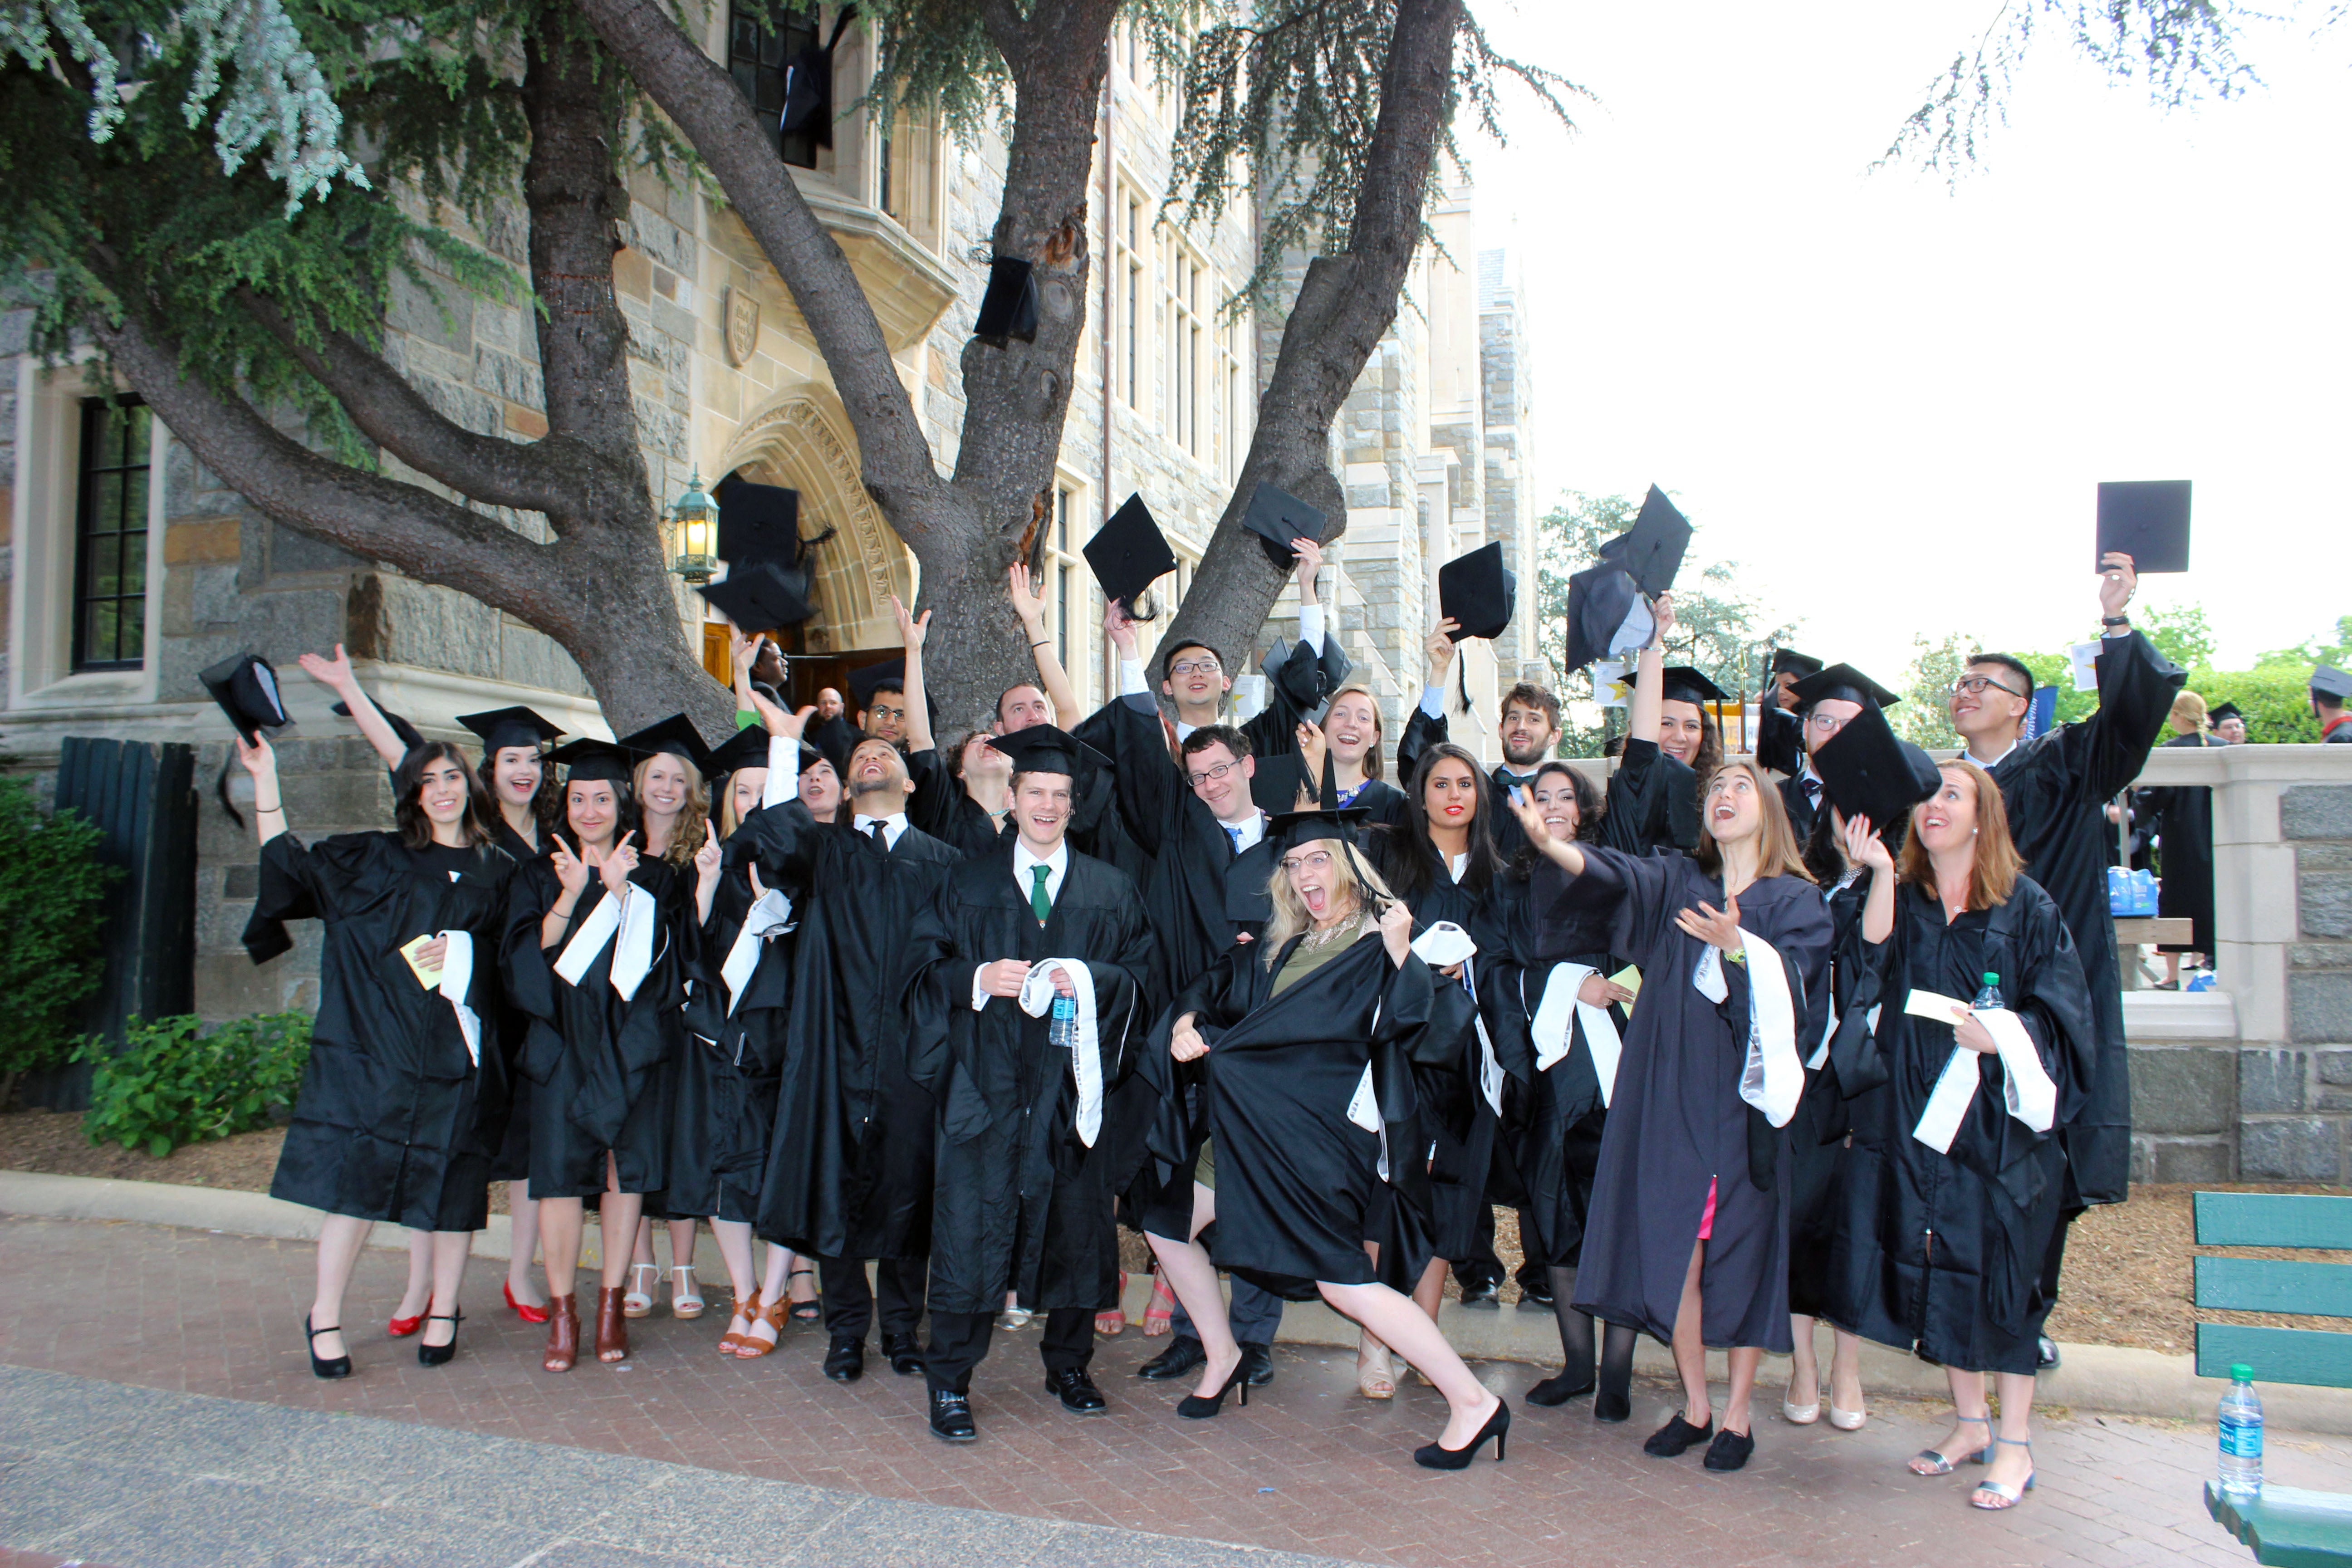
[(2311, 1357), (2273, 1219), (2268, 1285), (2287, 1527)]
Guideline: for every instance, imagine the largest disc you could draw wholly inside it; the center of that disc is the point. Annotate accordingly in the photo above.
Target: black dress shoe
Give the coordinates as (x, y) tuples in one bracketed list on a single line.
[(1729, 1451), (1559, 1388), (1077, 1391), (845, 1359), (1676, 1438), (951, 1417), (1182, 1358), (1257, 1364), (1535, 1296), (1613, 1405), (1482, 1294), (906, 1355)]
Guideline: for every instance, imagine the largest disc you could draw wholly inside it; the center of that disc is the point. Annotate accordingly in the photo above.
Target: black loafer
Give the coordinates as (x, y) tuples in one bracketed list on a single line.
[(1729, 1451), (906, 1355), (1559, 1389), (1257, 1364), (1482, 1295), (1077, 1391), (1180, 1359), (1676, 1438), (845, 1359), (1535, 1296), (951, 1417), (1613, 1405)]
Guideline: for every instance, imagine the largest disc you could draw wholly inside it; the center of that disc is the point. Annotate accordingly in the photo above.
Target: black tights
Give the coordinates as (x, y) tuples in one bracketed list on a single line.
[(1616, 1372)]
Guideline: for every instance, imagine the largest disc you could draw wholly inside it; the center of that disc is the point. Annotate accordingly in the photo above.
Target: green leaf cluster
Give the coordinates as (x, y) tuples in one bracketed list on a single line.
[(51, 889), (175, 1082)]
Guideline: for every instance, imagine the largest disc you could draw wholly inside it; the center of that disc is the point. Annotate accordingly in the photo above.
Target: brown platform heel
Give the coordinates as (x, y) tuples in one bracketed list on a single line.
[(748, 1309), (611, 1325), (562, 1333)]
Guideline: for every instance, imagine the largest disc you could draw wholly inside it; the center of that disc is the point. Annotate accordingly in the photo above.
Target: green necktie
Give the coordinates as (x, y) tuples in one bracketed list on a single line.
[(1040, 900)]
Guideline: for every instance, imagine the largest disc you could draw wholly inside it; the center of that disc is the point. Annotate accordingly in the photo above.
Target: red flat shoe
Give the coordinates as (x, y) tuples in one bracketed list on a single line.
[(401, 1328), (528, 1314)]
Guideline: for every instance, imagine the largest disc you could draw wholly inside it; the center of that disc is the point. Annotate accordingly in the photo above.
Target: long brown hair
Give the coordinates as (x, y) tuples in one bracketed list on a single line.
[(1777, 854), (408, 794), (1996, 867), (1374, 768), (686, 839)]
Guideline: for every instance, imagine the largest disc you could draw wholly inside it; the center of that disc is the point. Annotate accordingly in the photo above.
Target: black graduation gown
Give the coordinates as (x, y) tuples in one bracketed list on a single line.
[(2184, 819), (512, 1162), (1676, 1123), (1021, 1203), (2057, 787), (724, 1111), (1298, 1183), (1779, 743), (1652, 800), (1944, 1252), (598, 1064), (849, 1167), (395, 1119), (1803, 809), (1816, 1136)]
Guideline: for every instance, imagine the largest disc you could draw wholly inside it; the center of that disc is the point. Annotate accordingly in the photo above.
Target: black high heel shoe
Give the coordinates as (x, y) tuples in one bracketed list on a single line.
[(1192, 1407), (440, 1355), (1437, 1457), (340, 1366)]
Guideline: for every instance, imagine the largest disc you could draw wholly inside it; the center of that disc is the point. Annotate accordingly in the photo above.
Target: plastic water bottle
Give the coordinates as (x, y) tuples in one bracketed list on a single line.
[(1988, 995), (2119, 891), (2241, 1435), (1062, 1028)]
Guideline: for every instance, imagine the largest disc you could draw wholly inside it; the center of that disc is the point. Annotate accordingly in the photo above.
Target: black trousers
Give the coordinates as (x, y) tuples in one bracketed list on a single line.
[(849, 1299), (959, 1341), (1482, 1268)]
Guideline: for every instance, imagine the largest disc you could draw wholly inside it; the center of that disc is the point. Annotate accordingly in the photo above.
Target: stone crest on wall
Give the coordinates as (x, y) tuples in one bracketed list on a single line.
[(742, 326)]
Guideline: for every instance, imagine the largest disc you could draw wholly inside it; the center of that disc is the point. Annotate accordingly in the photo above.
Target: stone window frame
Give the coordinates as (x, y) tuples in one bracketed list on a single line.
[(738, 16), (95, 523), (1134, 266), (42, 597), (1201, 354)]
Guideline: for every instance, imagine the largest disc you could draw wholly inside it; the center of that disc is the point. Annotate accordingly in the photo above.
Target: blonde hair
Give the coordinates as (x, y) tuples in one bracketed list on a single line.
[(1353, 877), (686, 839), (1994, 870), (2189, 712), (1777, 853), (1373, 767)]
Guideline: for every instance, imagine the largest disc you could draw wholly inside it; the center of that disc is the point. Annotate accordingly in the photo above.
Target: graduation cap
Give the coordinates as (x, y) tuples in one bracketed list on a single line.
[(676, 735), (1290, 829), (1684, 684), (2330, 681), (1277, 517), (1478, 590), (1842, 683), (865, 681), (759, 595), (1274, 786), (1131, 553), (1788, 661), (808, 86), (502, 727), (2147, 519), (1867, 770), (1651, 551), (1009, 308), (1606, 615), (408, 733), (591, 760), (757, 522), (1044, 748), (245, 687), (747, 748), (2226, 711)]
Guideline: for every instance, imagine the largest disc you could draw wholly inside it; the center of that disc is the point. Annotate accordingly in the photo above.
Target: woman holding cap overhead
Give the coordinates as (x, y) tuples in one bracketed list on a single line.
[(1952, 1199), (396, 1119), (1671, 746), (1688, 1234), (602, 986)]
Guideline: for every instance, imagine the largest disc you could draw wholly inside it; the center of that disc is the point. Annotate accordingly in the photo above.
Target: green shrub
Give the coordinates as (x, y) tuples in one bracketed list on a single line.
[(174, 1084), (2275, 701), (50, 888)]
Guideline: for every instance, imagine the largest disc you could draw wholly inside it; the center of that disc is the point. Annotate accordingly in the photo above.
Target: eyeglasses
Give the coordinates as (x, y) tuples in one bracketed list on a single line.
[(1196, 667), (880, 712), (1974, 686), (1316, 860), (1220, 771)]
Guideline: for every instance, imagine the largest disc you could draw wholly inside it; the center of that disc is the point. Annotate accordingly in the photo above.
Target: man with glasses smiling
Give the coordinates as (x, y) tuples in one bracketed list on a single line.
[(2057, 787), (1826, 701)]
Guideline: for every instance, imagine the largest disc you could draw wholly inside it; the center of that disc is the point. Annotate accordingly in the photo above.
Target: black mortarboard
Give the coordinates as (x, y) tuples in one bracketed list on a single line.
[(1867, 770), (1277, 517), (757, 522), (1044, 748), (2147, 519), (245, 687), (590, 760), (1276, 784), (1651, 550), (1290, 829), (808, 85), (747, 748), (1684, 684), (1478, 590), (503, 727), (1606, 615), (759, 596), (1009, 308), (1788, 661), (865, 681), (409, 734), (2226, 711), (1842, 683), (676, 735), (2331, 681), (1131, 553)]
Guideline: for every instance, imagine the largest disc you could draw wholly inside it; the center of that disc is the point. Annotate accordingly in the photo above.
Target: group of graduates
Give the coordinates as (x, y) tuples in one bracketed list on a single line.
[(1826, 1032)]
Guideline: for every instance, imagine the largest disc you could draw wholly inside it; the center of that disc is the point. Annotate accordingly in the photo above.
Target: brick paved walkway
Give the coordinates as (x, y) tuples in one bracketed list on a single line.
[(1308, 1467)]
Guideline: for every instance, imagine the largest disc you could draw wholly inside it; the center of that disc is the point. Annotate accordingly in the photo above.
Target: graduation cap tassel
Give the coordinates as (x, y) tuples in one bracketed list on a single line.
[(1330, 794), (220, 788)]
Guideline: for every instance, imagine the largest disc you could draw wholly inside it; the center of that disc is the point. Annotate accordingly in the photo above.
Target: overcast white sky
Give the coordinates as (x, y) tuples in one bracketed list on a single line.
[(1893, 401)]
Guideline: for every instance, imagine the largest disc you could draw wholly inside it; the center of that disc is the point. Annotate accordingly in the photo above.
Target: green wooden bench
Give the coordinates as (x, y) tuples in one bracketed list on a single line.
[(2286, 1527)]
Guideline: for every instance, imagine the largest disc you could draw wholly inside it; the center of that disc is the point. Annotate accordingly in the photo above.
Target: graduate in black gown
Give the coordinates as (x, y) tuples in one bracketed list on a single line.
[(1044, 941), (849, 1171), (1779, 743), (1688, 1234), (1826, 699), (1529, 729), (400, 1103), (1350, 736), (597, 965), (2183, 815), (1955, 1195), (1310, 1036)]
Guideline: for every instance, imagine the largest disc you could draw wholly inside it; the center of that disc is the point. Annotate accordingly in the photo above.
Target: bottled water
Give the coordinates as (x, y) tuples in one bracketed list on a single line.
[(2241, 1435), (1062, 1028), (1989, 995)]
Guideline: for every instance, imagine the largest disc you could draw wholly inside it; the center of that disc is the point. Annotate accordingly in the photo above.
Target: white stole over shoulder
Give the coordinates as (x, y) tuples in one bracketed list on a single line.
[(1773, 1078), (1561, 1002)]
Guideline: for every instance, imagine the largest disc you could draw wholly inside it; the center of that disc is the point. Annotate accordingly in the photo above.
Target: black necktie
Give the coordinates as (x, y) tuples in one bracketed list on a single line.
[(881, 838)]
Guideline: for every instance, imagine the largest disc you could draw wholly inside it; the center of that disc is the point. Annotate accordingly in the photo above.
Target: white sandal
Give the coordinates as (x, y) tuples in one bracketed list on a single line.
[(684, 1295), (637, 1301)]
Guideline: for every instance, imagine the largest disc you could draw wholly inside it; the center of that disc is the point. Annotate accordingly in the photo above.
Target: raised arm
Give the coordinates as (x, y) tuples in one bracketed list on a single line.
[(1029, 603), (2137, 685), (1562, 852), (336, 674), (1866, 848), (1426, 725), (1648, 706), (912, 631), (268, 797)]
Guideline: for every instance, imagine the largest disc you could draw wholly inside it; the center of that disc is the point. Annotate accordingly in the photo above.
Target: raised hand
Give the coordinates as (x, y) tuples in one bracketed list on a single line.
[(1864, 848), (618, 863), (775, 721), (1119, 626), (2118, 580), (570, 872), (1312, 747), (1662, 609), (1396, 931), (336, 673), (1717, 928), (912, 629), (1028, 599), (742, 652), (258, 758), (1310, 561), (707, 858), (1441, 648)]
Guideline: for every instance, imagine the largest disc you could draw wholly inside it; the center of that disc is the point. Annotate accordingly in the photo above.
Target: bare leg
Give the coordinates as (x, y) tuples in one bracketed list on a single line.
[(775, 1282), (1804, 1367), (561, 1223), (419, 1290), (450, 1250), (1429, 1290), (682, 1233), (1746, 1360), (1966, 1438), (523, 1210), (1399, 1321), (1372, 1369), (734, 1240), (1845, 1373), (1185, 1265), (618, 1213), (2012, 1460), (1690, 1347), (340, 1238)]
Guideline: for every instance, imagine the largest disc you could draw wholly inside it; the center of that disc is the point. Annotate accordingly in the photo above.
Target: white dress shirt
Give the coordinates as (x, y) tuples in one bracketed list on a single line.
[(892, 827), (1246, 835), (1057, 867)]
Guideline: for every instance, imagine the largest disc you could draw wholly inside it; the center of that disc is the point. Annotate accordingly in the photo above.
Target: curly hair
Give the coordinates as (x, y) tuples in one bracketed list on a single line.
[(546, 802), (687, 838)]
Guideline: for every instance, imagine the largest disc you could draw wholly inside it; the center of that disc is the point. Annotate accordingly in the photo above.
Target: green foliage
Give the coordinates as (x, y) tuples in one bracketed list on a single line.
[(2180, 632), (2057, 669), (51, 885), (2275, 701), (1924, 717), (2318, 650), (174, 1083)]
